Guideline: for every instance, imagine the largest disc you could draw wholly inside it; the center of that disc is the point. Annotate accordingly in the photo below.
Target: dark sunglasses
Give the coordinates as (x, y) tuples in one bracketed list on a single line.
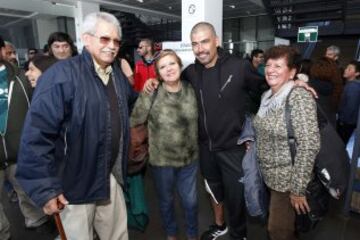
[(106, 40)]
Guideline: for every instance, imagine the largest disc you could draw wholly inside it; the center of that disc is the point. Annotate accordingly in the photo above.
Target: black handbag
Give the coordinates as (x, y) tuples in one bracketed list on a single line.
[(331, 169), (318, 200)]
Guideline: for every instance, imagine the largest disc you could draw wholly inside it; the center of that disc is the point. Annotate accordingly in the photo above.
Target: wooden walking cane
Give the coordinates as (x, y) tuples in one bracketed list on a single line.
[(60, 227), (58, 222)]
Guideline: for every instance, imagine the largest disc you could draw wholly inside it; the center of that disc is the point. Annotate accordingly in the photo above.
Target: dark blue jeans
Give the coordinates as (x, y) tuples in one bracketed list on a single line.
[(183, 179)]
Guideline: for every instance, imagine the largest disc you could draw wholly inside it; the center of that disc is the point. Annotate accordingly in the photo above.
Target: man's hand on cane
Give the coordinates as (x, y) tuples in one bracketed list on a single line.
[(55, 205)]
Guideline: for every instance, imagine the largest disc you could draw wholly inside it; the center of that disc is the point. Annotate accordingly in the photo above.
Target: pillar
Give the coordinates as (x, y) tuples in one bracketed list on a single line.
[(82, 9), (194, 11)]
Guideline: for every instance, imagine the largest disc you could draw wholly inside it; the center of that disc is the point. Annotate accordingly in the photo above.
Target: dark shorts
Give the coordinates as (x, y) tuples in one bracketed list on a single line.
[(221, 170), (223, 175)]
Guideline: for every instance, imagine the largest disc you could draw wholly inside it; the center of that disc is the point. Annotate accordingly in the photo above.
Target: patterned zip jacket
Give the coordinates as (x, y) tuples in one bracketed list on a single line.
[(272, 144)]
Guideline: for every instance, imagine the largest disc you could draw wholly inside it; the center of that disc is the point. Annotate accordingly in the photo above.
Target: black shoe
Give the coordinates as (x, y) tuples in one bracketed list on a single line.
[(214, 232)]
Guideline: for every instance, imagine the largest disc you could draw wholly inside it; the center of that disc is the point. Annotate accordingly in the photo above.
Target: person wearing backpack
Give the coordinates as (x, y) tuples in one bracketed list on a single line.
[(287, 182)]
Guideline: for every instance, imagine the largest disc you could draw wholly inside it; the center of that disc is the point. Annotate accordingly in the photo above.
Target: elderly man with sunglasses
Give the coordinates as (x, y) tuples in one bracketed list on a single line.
[(74, 145)]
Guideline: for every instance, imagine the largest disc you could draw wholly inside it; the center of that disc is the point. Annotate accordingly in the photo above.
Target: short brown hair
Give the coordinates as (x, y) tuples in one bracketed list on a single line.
[(164, 53), (291, 55), (326, 69)]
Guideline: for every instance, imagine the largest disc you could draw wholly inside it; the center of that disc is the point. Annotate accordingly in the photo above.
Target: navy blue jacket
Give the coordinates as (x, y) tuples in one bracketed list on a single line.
[(255, 194), (350, 102), (66, 142)]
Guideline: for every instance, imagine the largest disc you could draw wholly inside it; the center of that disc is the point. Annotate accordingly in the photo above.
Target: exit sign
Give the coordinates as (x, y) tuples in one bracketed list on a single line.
[(307, 34)]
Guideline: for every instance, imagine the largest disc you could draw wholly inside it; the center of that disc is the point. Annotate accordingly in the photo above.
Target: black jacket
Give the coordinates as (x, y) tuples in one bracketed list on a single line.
[(222, 100), (19, 99), (256, 93)]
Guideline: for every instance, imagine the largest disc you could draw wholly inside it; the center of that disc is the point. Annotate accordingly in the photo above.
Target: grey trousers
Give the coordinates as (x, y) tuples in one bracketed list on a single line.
[(33, 215), (107, 217)]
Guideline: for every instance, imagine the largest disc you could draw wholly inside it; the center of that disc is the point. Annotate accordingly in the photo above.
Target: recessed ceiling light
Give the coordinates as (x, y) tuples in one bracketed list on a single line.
[(62, 4), (170, 7), (232, 6), (140, 1)]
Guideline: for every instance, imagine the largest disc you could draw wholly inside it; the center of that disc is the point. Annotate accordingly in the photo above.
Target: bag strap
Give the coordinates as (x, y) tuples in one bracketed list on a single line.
[(321, 118), (289, 127), (153, 97)]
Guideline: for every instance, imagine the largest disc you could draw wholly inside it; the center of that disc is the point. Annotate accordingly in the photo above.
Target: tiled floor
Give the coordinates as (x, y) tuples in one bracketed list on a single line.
[(334, 227)]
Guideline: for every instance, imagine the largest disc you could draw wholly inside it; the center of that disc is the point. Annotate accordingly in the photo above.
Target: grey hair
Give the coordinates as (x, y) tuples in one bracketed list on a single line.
[(9, 43), (92, 19), (334, 49), (201, 26)]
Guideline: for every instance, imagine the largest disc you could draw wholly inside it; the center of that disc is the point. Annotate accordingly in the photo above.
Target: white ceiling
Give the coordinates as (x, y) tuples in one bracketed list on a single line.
[(231, 8), (15, 11)]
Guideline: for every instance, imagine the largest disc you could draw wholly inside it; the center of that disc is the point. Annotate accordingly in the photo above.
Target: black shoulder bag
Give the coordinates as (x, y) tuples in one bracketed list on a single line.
[(330, 171)]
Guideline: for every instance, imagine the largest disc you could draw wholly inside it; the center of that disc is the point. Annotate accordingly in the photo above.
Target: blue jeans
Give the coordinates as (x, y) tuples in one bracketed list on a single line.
[(183, 179)]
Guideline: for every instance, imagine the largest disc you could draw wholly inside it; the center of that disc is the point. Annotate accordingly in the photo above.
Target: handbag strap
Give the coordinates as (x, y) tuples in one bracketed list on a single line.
[(290, 130), (153, 97), (321, 118)]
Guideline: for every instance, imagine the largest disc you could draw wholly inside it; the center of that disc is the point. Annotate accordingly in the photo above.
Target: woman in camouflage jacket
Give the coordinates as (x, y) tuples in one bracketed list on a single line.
[(172, 122)]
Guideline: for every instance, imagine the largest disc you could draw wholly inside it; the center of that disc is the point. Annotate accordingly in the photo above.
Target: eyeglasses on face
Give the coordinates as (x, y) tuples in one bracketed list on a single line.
[(106, 40)]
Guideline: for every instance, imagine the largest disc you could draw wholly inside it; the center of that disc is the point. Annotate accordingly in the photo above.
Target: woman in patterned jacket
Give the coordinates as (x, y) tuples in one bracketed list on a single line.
[(286, 181)]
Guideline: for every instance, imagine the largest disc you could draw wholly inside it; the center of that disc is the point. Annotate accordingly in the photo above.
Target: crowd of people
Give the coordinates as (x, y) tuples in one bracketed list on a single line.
[(65, 120)]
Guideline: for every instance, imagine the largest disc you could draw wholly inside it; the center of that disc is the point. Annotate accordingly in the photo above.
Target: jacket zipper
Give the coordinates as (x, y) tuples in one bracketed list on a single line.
[(225, 84), (205, 121)]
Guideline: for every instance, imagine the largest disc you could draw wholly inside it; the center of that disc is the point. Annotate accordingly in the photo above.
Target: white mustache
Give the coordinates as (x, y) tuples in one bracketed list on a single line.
[(109, 51)]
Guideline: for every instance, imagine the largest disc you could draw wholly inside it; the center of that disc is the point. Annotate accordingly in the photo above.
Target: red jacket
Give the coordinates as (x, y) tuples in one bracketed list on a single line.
[(142, 73)]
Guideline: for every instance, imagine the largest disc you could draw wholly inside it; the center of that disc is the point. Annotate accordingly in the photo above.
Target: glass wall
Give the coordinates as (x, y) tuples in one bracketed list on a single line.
[(242, 35)]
